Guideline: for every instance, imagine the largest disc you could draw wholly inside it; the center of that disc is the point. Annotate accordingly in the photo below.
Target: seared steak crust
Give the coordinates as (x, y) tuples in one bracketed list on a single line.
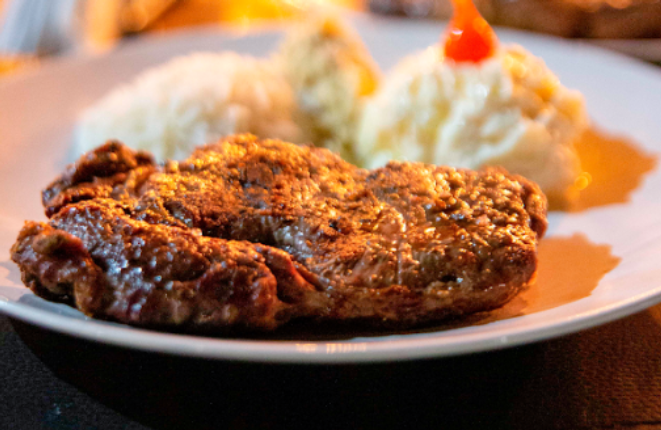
[(249, 233)]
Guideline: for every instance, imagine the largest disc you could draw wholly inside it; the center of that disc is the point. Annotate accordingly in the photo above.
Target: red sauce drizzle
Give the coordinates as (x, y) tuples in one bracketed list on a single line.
[(469, 37)]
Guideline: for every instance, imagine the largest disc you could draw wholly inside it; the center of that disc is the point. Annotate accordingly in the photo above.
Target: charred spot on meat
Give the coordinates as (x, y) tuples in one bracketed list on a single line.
[(250, 234)]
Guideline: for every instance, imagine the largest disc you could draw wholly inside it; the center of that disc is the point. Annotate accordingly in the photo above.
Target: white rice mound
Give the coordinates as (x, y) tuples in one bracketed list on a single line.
[(190, 101)]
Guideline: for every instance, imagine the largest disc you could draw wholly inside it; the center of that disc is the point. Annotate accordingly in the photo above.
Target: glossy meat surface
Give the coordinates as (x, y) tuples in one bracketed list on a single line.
[(249, 233)]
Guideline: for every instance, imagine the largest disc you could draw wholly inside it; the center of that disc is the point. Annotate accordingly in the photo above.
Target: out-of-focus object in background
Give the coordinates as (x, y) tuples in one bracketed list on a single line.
[(603, 19), (14, 63), (425, 8), (37, 27), (105, 22), (43, 27), (139, 15)]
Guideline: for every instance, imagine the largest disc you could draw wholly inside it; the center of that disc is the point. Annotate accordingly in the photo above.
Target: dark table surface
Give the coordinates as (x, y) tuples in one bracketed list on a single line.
[(605, 378)]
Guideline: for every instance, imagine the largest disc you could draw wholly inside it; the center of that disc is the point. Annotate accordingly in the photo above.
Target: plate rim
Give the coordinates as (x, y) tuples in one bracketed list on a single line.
[(306, 352)]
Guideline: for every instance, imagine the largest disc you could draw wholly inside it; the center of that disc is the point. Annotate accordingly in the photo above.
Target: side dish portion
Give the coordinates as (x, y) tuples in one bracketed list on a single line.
[(250, 234), (508, 110), (191, 100), (469, 102), (332, 74)]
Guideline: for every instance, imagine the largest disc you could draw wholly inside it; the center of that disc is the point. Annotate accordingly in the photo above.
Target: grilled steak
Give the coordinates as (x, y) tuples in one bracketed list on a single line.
[(251, 234)]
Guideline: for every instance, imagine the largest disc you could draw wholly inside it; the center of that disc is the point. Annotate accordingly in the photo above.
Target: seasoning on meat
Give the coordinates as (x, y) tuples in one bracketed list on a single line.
[(250, 234)]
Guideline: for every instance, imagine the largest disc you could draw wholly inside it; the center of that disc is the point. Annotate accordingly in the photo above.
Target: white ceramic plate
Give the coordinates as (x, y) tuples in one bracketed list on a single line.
[(599, 262)]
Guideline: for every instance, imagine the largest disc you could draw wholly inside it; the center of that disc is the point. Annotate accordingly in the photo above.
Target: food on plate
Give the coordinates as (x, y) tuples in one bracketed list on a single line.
[(504, 109), (250, 234), (191, 100), (469, 103), (312, 90), (331, 73)]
